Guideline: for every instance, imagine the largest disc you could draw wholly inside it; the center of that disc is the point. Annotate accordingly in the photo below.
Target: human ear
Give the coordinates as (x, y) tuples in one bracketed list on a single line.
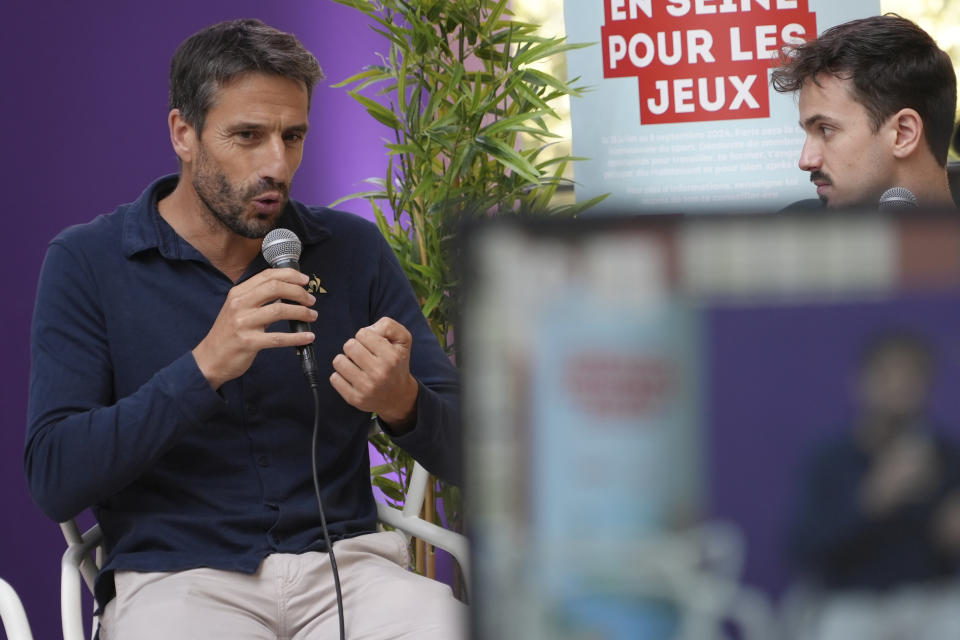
[(183, 136), (908, 129)]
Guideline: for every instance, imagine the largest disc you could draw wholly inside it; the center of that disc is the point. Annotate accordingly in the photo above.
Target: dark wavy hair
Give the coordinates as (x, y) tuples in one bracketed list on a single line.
[(893, 64), (210, 58)]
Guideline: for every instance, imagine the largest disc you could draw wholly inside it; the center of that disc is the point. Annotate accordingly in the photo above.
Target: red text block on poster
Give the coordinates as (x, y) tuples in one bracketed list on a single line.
[(701, 60)]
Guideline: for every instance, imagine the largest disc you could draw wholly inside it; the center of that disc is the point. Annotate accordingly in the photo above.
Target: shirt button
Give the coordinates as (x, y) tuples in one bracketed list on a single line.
[(250, 408), (263, 461)]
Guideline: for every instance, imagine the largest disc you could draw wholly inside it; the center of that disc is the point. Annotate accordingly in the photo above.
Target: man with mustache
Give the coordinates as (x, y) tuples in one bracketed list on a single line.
[(877, 100), (164, 393)]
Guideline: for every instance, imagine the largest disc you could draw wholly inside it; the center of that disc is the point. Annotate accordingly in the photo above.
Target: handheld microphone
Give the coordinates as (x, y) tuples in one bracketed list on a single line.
[(281, 248), (897, 198)]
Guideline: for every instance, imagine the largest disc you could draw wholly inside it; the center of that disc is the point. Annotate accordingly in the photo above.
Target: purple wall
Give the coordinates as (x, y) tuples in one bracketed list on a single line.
[(84, 104)]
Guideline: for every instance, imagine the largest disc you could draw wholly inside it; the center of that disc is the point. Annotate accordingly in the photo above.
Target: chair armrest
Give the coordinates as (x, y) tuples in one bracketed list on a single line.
[(450, 541), (76, 563), (12, 614)]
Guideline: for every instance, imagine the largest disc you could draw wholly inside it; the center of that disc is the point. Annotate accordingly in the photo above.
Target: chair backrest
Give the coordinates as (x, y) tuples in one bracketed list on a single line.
[(81, 560), (12, 614)]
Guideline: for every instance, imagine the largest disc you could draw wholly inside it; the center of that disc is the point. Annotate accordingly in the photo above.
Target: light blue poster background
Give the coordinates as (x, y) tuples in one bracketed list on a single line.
[(720, 166)]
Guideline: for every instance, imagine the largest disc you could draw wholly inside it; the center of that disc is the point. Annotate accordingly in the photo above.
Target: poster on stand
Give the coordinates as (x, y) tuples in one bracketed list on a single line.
[(680, 114)]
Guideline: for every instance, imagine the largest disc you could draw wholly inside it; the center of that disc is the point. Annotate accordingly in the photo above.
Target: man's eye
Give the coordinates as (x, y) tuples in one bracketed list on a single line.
[(246, 135), (294, 137)]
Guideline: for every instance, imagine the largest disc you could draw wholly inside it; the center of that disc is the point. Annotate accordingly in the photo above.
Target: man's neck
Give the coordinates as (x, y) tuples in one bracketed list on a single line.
[(928, 181), (191, 220)]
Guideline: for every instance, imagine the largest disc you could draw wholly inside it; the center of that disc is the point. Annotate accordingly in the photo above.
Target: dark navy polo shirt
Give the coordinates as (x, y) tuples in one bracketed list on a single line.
[(180, 476)]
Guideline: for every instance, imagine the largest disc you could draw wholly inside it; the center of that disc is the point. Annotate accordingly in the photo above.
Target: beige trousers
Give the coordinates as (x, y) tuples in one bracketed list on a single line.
[(290, 597)]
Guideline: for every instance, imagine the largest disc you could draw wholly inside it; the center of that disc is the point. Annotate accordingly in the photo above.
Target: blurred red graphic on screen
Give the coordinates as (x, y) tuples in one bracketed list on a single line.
[(614, 385), (701, 60)]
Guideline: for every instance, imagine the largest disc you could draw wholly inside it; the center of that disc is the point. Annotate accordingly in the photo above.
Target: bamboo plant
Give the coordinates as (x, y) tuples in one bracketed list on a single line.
[(469, 118)]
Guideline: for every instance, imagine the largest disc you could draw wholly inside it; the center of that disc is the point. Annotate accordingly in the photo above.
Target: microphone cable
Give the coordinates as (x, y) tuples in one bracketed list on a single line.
[(323, 518), (281, 248)]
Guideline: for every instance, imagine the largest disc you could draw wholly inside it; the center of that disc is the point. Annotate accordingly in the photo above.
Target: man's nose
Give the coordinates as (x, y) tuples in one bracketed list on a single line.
[(274, 161), (810, 158)]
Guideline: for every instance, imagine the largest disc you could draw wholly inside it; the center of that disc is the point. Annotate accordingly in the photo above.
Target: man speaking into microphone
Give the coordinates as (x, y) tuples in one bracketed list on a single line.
[(167, 395), (877, 99)]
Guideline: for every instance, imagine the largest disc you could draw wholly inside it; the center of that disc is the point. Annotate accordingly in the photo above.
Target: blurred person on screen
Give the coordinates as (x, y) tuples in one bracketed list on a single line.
[(877, 99), (876, 533)]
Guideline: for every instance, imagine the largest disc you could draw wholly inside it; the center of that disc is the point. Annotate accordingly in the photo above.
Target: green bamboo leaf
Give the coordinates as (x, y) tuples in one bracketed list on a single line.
[(371, 72), (559, 159), (580, 207), (363, 5), (377, 110), (536, 133), (533, 76), (392, 33), (542, 50), (403, 148), (432, 302), (511, 121), (358, 196), (427, 270), (390, 488), (382, 469), (383, 225), (509, 158)]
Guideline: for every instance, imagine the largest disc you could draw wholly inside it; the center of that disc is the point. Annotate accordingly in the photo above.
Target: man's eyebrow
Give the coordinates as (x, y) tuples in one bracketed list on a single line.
[(243, 126), (259, 126), (814, 119)]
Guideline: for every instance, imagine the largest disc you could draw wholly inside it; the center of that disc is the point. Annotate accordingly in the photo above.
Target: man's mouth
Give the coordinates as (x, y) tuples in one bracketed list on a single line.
[(821, 181), (270, 196), (268, 203)]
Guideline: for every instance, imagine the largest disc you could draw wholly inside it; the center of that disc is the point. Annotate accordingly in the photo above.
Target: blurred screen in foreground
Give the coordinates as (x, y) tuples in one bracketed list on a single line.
[(641, 397)]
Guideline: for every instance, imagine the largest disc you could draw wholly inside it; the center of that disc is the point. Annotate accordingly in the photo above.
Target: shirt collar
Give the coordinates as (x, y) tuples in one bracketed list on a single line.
[(144, 228)]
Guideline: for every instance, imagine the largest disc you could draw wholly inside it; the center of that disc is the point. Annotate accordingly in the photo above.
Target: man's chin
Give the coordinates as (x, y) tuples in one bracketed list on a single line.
[(839, 204), (255, 228)]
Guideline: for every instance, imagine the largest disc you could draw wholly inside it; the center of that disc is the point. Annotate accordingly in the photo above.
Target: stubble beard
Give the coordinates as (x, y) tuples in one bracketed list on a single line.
[(227, 203)]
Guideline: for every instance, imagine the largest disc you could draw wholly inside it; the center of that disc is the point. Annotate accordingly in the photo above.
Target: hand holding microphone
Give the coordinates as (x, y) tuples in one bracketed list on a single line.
[(281, 249), (240, 330)]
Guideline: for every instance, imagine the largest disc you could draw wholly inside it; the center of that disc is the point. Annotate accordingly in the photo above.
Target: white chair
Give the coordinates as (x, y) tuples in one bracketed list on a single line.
[(82, 558), (699, 571), (12, 614)]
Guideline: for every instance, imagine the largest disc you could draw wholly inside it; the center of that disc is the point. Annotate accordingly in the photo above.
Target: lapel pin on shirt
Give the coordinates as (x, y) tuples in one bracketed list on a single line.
[(314, 286)]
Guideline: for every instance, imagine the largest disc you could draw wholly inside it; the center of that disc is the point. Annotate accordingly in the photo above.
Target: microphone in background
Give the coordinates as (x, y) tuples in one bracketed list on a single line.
[(281, 248), (897, 198)]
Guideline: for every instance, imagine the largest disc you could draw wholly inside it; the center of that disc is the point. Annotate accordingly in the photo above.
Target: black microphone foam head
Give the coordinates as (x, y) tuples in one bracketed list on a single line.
[(280, 247), (897, 198)]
